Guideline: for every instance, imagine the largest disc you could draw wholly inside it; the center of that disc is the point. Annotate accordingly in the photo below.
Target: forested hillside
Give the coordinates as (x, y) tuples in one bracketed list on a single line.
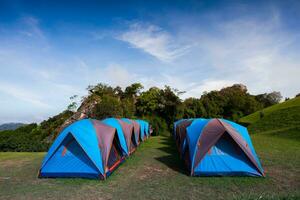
[(160, 106)]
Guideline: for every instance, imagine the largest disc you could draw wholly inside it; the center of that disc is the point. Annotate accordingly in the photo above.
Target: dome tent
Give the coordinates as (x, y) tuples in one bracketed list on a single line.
[(86, 148), (125, 133), (142, 124), (180, 133), (174, 126), (147, 129), (129, 135), (136, 129), (218, 147)]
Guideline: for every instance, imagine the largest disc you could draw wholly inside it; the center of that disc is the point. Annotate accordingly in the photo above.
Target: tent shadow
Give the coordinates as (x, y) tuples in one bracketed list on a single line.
[(172, 160)]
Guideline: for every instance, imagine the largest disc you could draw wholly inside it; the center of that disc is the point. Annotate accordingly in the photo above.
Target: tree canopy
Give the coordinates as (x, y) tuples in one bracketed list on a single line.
[(160, 106)]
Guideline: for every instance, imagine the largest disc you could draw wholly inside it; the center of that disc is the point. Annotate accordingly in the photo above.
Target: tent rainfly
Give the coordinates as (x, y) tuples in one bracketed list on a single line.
[(86, 148), (216, 147)]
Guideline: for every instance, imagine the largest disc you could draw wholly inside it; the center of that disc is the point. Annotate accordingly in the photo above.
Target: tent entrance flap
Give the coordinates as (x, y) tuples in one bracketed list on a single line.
[(186, 158), (133, 143), (226, 158), (115, 154)]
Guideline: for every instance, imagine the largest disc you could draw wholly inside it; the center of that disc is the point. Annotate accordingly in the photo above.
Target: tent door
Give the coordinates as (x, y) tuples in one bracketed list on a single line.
[(132, 142), (115, 155)]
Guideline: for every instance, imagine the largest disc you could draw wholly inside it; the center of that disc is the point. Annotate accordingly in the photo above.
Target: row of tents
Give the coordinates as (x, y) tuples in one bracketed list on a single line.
[(216, 147), (91, 148)]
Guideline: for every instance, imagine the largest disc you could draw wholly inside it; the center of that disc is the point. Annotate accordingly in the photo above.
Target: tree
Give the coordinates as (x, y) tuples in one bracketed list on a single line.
[(109, 106), (193, 108), (73, 105), (269, 99), (118, 91), (274, 97), (128, 108), (169, 102), (133, 90), (101, 89), (148, 102)]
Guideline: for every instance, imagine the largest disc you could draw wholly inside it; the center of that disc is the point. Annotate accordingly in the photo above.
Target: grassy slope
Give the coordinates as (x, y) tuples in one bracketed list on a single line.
[(254, 117), (278, 120), (156, 172)]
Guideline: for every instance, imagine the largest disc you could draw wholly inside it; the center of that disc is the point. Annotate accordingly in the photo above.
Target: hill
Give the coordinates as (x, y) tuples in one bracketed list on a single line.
[(254, 117), (32, 137), (10, 126), (280, 118)]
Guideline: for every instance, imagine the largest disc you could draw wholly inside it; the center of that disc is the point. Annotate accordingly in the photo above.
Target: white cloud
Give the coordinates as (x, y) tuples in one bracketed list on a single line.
[(113, 74), (197, 89), (255, 52), (154, 41), (118, 75), (191, 88), (23, 94)]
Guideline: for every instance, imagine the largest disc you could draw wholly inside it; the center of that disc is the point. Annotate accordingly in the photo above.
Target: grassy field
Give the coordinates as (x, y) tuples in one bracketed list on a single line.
[(255, 117), (156, 172)]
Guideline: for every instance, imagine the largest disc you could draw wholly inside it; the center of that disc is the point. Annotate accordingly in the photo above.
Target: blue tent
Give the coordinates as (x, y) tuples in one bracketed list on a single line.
[(142, 124), (113, 122), (86, 148), (218, 147), (136, 129), (147, 128), (174, 127), (180, 133)]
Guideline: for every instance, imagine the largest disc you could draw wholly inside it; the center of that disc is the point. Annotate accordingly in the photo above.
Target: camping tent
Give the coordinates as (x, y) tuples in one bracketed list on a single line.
[(147, 129), (125, 131), (143, 135), (86, 148), (180, 133), (136, 129), (218, 147), (175, 124), (128, 130)]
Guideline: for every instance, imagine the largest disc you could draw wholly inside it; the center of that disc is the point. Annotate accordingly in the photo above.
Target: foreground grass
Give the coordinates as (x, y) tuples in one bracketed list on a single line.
[(156, 172)]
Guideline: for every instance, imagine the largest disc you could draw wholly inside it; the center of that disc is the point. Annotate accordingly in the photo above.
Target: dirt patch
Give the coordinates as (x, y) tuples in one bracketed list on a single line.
[(150, 171), (283, 178), (14, 163)]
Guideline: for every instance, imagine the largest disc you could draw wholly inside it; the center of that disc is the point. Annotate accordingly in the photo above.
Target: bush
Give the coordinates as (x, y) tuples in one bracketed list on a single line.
[(158, 125)]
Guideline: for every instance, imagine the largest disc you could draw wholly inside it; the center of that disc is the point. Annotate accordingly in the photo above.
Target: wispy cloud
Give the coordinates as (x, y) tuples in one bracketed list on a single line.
[(42, 65), (154, 41), (258, 53), (32, 25), (23, 94)]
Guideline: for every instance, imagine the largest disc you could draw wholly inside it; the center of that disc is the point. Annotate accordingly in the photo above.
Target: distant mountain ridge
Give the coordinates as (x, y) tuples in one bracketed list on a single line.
[(10, 126)]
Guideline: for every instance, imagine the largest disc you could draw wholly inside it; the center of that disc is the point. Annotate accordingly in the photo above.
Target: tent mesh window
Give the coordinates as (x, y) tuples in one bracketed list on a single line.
[(115, 154)]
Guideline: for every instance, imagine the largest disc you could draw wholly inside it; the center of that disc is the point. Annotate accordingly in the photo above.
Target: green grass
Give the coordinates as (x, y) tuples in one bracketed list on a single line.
[(156, 172), (255, 117), (283, 119)]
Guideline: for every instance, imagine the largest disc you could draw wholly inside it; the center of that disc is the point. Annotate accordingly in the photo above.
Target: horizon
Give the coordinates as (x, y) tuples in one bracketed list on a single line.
[(52, 50)]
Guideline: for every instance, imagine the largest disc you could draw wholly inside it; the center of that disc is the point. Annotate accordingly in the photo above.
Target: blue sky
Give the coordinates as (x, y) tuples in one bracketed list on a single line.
[(51, 50)]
